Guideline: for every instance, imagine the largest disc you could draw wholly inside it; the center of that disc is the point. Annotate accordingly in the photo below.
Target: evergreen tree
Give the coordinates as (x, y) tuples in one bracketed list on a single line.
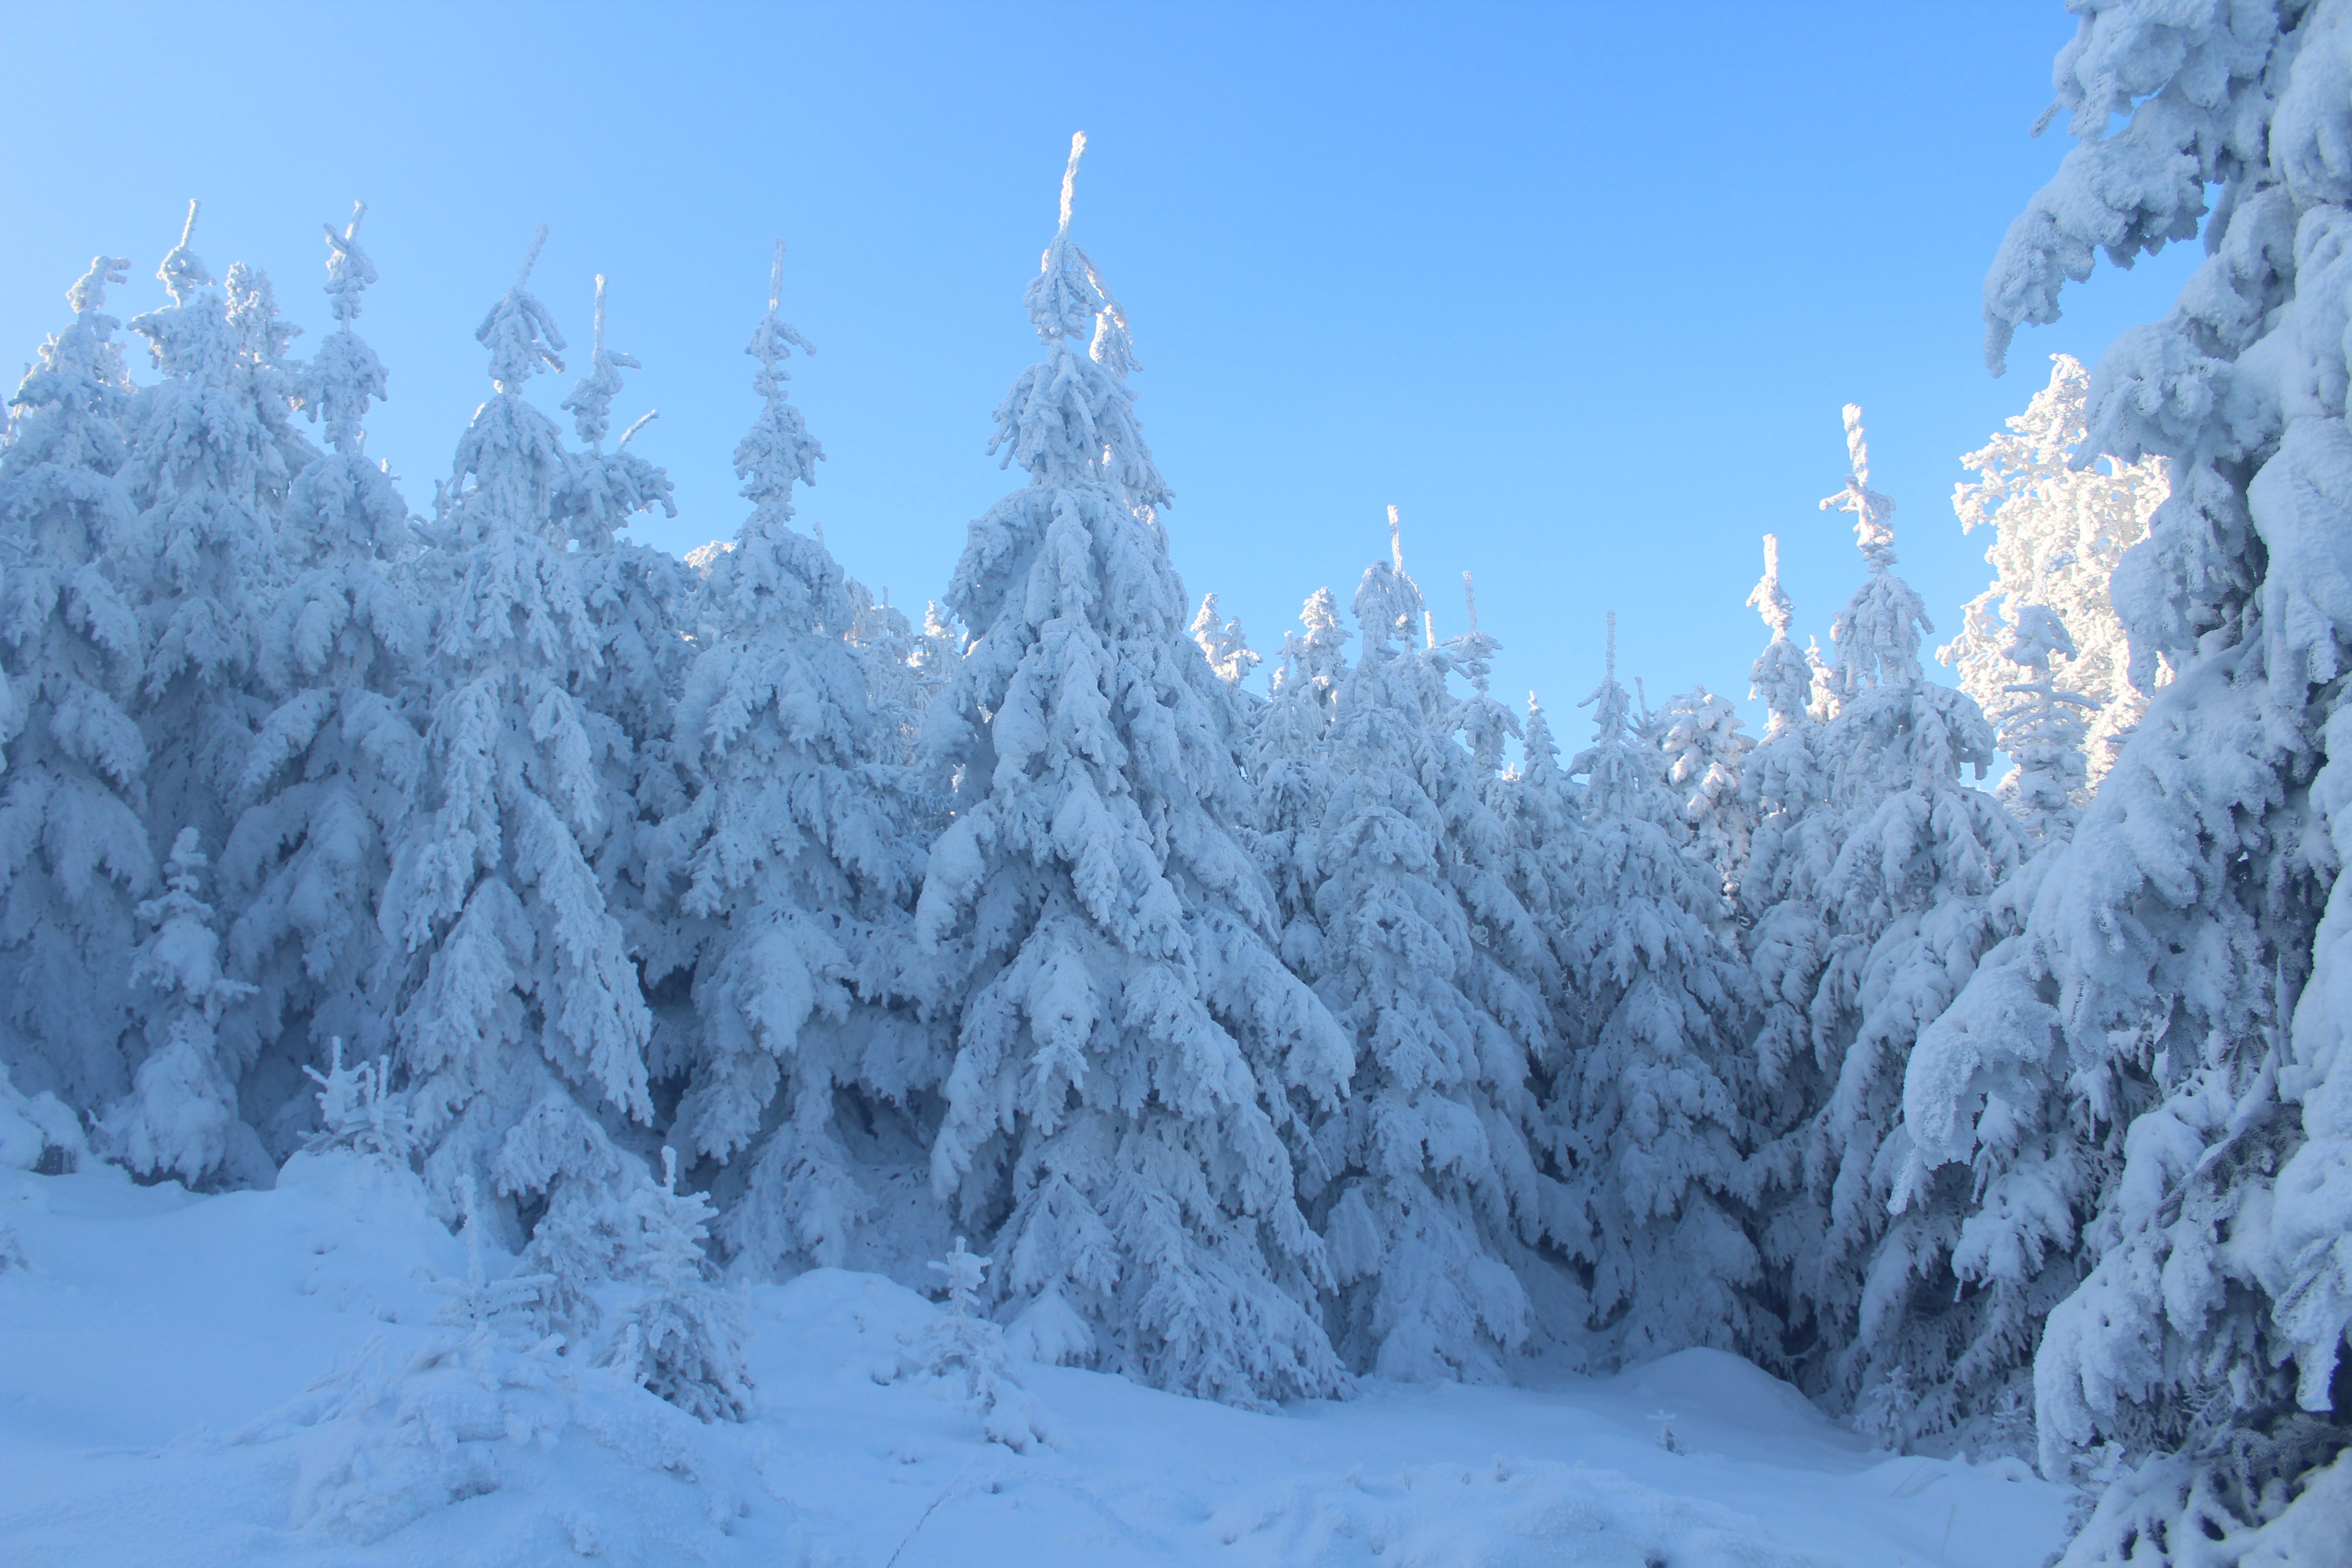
[(2059, 534), (328, 784), (1432, 1190), (2151, 1081), (181, 1117), (212, 454), (520, 1025), (74, 855), (1131, 1052), (639, 604), (788, 878), (1647, 1099), (1882, 891)]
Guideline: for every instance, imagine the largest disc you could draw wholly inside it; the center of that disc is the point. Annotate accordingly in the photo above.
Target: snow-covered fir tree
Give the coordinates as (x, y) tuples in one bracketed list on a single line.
[(328, 783), (2059, 534), (2176, 1005), (639, 604), (1877, 903), (521, 1027), (1290, 764), (1131, 1052), (212, 452), (1428, 1190), (1647, 1101), (786, 882), (74, 854), (180, 1118)]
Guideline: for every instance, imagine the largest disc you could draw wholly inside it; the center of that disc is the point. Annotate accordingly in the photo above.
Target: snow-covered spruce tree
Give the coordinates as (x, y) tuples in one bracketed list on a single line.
[(1884, 889), (639, 602), (2153, 1076), (180, 1118), (1131, 1051), (212, 452), (1706, 752), (678, 1336), (74, 854), (1424, 1185), (327, 786), (786, 883), (1290, 764), (2059, 532), (209, 472), (2044, 728), (1784, 934), (1646, 1101), (521, 1027)]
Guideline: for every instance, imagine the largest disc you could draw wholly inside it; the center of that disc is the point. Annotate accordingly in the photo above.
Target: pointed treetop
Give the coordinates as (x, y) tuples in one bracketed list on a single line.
[(1537, 747), (776, 453), (1613, 712), (591, 400), (87, 296), (521, 336), (1474, 650), (1388, 600), (773, 341), (1070, 176), (1064, 299), (1769, 599), (1871, 509), (183, 271), (349, 270)]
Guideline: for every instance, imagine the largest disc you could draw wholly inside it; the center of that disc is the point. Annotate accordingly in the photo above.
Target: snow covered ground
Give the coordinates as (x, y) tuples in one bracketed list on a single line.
[(156, 1347)]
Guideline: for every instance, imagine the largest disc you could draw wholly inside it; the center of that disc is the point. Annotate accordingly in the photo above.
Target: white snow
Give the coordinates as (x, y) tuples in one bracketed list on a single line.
[(155, 1349)]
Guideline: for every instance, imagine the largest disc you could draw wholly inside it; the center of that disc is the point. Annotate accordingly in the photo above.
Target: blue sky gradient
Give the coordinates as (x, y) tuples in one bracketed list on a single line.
[(1581, 289)]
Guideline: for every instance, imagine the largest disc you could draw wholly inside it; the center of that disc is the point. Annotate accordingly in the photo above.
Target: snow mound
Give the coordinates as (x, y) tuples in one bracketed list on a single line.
[(1500, 1515)]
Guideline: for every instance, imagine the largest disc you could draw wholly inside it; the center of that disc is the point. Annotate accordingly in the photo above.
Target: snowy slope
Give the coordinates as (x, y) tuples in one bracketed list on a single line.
[(155, 1349)]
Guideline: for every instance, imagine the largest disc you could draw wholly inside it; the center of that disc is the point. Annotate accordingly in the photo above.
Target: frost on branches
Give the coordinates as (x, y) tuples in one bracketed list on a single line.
[(785, 884), (520, 1016), (1432, 1190), (1647, 1101), (1131, 1052), (1875, 899), (74, 854), (2059, 532), (2177, 1001), (327, 784)]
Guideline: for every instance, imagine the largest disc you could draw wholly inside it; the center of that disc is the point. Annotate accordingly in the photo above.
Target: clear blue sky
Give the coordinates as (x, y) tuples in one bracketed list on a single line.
[(1581, 289)]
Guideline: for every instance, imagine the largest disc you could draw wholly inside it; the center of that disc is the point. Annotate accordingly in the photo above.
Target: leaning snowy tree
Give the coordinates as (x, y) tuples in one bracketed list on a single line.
[(1131, 1053), (74, 855), (2179, 998), (2059, 531)]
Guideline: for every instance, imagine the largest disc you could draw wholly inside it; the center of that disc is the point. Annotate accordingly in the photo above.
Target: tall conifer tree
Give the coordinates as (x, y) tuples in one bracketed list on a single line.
[(1131, 1052)]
